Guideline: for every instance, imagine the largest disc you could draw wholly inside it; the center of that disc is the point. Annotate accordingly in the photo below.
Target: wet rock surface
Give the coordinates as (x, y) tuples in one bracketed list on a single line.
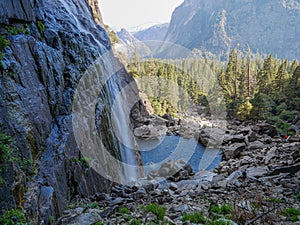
[(51, 45), (258, 183)]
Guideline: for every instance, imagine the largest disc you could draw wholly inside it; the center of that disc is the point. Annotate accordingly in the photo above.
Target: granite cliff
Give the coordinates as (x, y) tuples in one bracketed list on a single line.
[(219, 26), (46, 47)]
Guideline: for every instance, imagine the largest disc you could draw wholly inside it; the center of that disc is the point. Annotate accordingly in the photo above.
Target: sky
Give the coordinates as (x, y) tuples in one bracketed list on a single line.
[(135, 14)]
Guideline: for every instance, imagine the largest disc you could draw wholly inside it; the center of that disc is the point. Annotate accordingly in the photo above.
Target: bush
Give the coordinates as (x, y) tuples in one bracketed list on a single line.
[(124, 210), (222, 210), (13, 217), (3, 43), (196, 217), (157, 210), (292, 214)]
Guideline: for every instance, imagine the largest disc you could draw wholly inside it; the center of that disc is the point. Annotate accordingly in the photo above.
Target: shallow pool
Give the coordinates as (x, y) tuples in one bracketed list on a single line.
[(156, 152)]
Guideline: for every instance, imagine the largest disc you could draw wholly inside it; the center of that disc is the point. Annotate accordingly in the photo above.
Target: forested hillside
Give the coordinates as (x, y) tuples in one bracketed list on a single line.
[(252, 87)]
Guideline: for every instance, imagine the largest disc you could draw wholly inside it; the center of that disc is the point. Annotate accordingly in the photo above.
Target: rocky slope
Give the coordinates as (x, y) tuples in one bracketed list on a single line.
[(219, 26), (46, 47), (256, 182)]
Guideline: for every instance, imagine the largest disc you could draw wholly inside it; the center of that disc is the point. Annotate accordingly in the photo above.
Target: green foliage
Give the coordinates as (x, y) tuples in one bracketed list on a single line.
[(41, 26), (135, 222), (244, 110), (3, 43), (98, 223), (13, 217), (292, 214), (124, 210), (112, 35), (196, 217), (262, 106), (275, 200), (222, 210), (14, 30), (159, 211), (220, 222), (5, 147)]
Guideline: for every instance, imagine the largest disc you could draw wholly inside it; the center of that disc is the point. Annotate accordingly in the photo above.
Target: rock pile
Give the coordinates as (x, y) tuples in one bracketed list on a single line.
[(258, 180)]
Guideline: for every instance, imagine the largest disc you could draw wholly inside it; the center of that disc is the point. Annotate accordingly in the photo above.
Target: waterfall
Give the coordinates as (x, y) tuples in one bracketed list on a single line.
[(110, 149)]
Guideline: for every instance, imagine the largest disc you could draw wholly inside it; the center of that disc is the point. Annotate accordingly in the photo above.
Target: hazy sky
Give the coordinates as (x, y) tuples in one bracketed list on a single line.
[(133, 13)]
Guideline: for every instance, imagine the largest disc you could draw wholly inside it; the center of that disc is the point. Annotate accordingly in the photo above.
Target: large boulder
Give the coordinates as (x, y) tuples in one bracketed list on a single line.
[(268, 129), (211, 137), (233, 151)]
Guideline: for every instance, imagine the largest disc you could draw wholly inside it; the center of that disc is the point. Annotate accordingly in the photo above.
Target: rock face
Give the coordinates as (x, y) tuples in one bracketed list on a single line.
[(39, 75), (130, 45), (219, 26), (154, 33)]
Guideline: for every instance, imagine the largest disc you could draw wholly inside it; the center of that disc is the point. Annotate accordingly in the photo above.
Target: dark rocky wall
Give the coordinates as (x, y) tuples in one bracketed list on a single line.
[(40, 71)]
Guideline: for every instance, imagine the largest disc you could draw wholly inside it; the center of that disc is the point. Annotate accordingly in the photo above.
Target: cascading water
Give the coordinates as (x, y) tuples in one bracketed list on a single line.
[(108, 150)]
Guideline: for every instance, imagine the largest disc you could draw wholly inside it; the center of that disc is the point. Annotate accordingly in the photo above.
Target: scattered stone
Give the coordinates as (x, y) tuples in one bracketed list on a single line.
[(234, 150), (256, 172)]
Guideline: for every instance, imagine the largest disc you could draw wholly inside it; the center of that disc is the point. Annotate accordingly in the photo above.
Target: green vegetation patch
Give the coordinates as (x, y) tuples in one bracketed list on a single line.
[(292, 214), (196, 217), (159, 211), (222, 210), (5, 147), (13, 217)]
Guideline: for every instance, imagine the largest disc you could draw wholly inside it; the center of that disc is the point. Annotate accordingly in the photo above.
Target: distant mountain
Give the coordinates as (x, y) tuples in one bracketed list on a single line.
[(130, 45), (268, 26), (154, 33)]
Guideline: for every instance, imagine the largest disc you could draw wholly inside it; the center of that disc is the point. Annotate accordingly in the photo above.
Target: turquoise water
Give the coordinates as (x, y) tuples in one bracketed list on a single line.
[(155, 152)]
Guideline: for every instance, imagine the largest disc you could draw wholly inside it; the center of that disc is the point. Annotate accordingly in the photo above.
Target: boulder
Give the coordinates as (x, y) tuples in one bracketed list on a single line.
[(233, 151), (256, 145), (268, 129), (256, 172), (150, 131), (229, 139), (211, 137)]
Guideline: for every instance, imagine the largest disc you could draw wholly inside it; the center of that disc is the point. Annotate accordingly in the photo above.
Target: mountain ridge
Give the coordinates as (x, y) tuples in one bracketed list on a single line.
[(218, 27)]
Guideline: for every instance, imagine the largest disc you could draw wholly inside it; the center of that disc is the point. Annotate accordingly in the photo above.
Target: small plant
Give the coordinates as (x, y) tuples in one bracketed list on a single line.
[(93, 206), (98, 223), (51, 219), (41, 26), (292, 214), (220, 222), (13, 217), (5, 147), (196, 217), (3, 43), (275, 200), (157, 210), (222, 210), (135, 222), (124, 210)]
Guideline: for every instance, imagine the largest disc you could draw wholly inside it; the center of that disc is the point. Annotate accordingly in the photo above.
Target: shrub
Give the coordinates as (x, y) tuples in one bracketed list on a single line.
[(41, 26), (196, 217), (292, 214), (13, 217), (222, 210), (135, 222), (3, 43), (157, 210), (124, 210)]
